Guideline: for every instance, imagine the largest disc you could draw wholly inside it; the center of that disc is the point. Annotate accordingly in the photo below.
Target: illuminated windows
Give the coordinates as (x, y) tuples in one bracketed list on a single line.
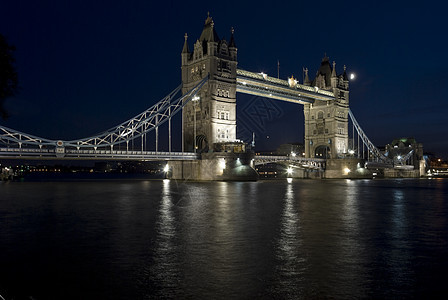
[(223, 115)]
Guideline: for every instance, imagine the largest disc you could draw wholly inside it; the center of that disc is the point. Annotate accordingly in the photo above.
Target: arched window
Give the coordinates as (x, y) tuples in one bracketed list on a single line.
[(320, 115)]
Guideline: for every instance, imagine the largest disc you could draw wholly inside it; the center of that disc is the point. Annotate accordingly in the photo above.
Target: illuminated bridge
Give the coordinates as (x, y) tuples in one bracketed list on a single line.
[(206, 99)]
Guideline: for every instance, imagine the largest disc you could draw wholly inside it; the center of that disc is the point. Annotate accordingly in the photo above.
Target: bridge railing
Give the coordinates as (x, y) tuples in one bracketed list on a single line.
[(107, 154)]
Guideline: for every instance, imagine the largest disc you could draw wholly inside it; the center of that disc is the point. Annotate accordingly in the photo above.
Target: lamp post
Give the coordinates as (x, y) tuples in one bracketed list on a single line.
[(195, 101)]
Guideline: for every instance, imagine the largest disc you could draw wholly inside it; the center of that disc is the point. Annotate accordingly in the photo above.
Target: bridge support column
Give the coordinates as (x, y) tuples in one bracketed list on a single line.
[(347, 168), (215, 166)]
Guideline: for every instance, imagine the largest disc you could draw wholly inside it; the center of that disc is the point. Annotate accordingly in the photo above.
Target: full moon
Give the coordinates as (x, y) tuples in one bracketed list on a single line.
[(352, 76)]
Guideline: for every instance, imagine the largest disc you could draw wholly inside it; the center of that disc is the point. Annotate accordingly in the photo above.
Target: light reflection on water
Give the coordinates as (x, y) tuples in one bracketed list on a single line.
[(291, 261), (268, 239), (165, 268)]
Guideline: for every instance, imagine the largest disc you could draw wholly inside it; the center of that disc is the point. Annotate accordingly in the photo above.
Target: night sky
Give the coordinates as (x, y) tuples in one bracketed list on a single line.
[(85, 66)]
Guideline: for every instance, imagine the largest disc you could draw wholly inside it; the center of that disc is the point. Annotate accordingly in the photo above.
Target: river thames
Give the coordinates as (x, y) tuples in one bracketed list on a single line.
[(308, 239)]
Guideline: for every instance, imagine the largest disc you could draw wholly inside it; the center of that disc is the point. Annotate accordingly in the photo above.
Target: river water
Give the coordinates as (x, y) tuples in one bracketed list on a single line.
[(142, 239)]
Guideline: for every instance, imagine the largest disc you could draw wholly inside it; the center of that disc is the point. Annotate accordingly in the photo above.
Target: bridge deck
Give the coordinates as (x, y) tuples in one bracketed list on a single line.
[(69, 154)]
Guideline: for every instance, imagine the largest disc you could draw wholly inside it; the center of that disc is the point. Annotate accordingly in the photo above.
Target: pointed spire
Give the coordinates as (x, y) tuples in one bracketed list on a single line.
[(209, 19), (232, 39), (185, 49), (333, 72), (209, 33)]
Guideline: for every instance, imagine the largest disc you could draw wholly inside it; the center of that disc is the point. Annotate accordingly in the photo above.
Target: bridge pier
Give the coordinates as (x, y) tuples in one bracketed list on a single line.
[(352, 168), (215, 166)]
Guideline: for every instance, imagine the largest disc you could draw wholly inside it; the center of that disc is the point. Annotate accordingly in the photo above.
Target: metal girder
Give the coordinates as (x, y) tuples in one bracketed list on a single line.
[(309, 163), (131, 129), (370, 146)]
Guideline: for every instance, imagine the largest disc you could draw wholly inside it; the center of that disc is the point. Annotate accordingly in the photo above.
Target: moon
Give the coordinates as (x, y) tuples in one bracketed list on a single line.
[(352, 76)]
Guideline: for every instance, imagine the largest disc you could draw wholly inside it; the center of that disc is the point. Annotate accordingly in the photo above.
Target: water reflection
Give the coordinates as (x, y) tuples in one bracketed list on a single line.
[(399, 255), (352, 247), (291, 262), (165, 270)]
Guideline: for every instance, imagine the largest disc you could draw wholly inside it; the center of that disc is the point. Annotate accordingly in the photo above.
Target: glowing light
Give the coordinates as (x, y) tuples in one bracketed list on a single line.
[(222, 164), (289, 170), (123, 134), (399, 157), (292, 82), (289, 179), (166, 168), (352, 76), (346, 171), (196, 98), (351, 151), (293, 154)]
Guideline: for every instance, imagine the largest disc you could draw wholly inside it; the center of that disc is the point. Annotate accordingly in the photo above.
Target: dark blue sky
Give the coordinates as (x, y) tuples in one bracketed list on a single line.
[(85, 66)]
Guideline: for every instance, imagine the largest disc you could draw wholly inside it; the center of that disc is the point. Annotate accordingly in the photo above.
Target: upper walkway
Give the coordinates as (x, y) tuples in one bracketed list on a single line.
[(290, 90)]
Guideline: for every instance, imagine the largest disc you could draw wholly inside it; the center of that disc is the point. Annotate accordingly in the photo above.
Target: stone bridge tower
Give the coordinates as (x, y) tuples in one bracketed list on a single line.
[(211, 118), (326, 123)]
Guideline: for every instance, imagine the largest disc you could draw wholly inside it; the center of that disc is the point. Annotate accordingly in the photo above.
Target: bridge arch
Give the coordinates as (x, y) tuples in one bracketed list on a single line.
[(322, 151), (201, 143)]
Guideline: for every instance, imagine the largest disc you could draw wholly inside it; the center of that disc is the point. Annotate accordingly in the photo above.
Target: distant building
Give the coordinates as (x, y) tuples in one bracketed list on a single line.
[(286, 149), (405, 147)]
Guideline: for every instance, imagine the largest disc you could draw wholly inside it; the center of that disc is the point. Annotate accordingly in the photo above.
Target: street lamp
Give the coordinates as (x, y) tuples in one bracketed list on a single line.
[(195, 101)]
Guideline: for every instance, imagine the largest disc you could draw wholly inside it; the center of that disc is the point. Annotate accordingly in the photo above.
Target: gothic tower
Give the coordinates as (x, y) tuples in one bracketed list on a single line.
[(326, 123), (211, 118)]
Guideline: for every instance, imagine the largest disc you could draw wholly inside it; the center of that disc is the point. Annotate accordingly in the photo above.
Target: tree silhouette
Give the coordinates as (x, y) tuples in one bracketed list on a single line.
[(9, 84)]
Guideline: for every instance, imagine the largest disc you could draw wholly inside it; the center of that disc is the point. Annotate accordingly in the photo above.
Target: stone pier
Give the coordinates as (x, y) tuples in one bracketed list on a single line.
[(215, 166)]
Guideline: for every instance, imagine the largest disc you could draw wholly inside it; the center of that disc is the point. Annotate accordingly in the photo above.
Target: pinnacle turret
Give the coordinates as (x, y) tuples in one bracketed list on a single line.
[(344, 75), (232, 39), (333, 72), (186, 49)]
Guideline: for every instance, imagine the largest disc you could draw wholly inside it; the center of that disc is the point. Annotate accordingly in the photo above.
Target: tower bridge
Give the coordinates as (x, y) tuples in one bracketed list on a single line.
[(210, 148)]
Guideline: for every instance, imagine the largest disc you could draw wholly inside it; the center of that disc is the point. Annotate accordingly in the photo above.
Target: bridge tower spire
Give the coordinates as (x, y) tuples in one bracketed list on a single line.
[(326, 123), (212, 117)]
